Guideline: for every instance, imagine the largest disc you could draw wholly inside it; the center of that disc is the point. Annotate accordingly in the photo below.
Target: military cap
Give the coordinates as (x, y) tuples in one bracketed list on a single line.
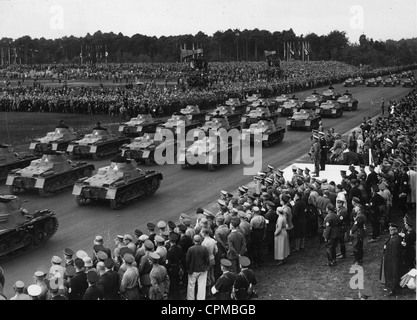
[(245, 188), (101, 255), (321, 133), (98, 240), (234, 211), (315, 136), (124, 250), (19, 284), (119, 237), (68, 252), (92, 276), (244, 261), (187, 222), (159, 239), (241, 189), (182, 227), (79, 263), (34, 290), (280, 171), (171, 224), (154, 256), (161, 224), (98, 248), (270, 167), (262, 174), (143, 237), (356, 199), (270, 203), (269, 180), (230, 195), (70, 270), (208, 214), (173, 236), (150, 226), (109, 263), (149, 244), (138, 233), (197, 238), (221, 202), (128, 257), (56, 260), (39, 273), (226, 263), (88, 262), (307, 169), (223, 192), (184, 216), (200, 216), (199, 210), (294, 167), (127, 237)]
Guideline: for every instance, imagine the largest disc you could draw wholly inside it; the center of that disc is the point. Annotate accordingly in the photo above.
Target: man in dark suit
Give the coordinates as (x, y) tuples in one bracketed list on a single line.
[(93, 291), (79, 282), (331, 234), (236, 245), (299, 221), (109, 281), (174, 265), (197, 263)]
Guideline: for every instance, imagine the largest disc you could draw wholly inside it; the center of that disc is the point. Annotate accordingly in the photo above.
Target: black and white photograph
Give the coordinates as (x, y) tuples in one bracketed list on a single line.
[(224, 151)]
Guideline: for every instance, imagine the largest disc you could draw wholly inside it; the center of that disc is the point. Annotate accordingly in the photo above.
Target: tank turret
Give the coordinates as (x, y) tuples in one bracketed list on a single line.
[(143, 123)]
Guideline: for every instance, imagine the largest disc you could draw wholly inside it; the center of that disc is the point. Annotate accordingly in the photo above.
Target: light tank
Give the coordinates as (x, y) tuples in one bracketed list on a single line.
[(281, 99), (179, 122), (9, 160), (350, 82), (330, 109), (237, 105), (270, 133), (98, 144), (303, 119), (313, 100), (348, 102), (55, 141), (330, 94), (117, 183), (138, 126), (287, 109), (389, 82), (20, 231), (48, 174), (371, 82), (254, 115), (194, 114)]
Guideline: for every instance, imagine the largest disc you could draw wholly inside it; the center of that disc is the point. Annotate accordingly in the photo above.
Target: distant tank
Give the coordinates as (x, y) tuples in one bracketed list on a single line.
[(331, 108), (219, 122), (21, 231), (303, 119), (253, 97), (193, 113), (179, 121), (288, 107), (350, 82), (313, 101), (9, 160), (348, 102), (254, 115), (48, 174), (98, 144), (138, 126), (237, 105), (270, 133), (330, 94), (118, 183), (282, 98), (55, 141), (227, 112)]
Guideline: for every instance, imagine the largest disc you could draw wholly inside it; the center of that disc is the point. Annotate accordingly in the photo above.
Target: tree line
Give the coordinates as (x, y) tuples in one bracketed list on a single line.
[(229, 45)]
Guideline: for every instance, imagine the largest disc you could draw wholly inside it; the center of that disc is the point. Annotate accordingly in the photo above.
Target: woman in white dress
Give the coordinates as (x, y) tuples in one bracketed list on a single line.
[(281, 241)]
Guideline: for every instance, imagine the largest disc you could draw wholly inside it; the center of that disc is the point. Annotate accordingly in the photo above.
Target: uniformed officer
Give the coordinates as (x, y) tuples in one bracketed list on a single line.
[(34, 291), (39, 278), (68, 254), (323, 150), (245, 281), (331, 234), (315, 155), (343, 217), (163, 232), (224, 285), (174, 266), (358, 233), (159, 279), (151, 230)]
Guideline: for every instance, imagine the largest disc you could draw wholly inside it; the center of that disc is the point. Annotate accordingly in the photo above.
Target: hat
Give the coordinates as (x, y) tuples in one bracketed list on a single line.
[(161, 224), (98, 240), (143, 237), (244, 261), (92, 276), (124, 250), (70, 270), (356, 199), (245, 188), (173, 236), (223, 192), (307, 169), (182, 227), (270, 167), (79, 263), (204, 220), (101, 255), (199, 210), (34, 290), (294, 167), (81, 254), (149, 244), (226, 262), (270, 203), (221, 202), (128, 257), (280, 171), (315, 136), (19, 284), (109, 263), (98, 248), (159, 239), (172, 225), (150, 226), (120, 237), (187, 222), (88, 262), (393, 225), (184, 216), (138, 233), (197, 239), (56, 260), (68, 252), (154, 256), (127, 237), (269, 180), (39, 274)]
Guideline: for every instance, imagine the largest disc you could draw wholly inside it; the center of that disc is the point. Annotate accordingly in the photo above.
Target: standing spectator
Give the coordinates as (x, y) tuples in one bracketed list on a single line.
[(245, 281), (159, 279), (390, 272), (299, 221), (331, 234), (258, 227), (343, 221), (409, 243), (130, 283), (197, 263), (93, 292), (39, 278), (160, 249), (271, 218), (358, 233), (282, 243), (236, 244), (19, 288), (211, 246), (376, 202), (79, 281), (174, 265), (224, 285), (315, 155), (109, 281)]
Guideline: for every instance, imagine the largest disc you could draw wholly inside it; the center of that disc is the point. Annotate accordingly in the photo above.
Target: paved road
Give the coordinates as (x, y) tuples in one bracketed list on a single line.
[(180, 191)]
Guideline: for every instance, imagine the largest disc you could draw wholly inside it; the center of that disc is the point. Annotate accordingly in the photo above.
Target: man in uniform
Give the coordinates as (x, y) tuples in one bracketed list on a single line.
[(245, 281), (79, 281), (39, 278), (174, 266), (98, 240), (159, 278), (109, 281), (358, 233), (224, 285), (19, 288), (323, 150), (130, 279), (68, 254), (160, 248), (315, 155), (93, 292), (343, 218), (151, 229), (236, 243), (331, 234)]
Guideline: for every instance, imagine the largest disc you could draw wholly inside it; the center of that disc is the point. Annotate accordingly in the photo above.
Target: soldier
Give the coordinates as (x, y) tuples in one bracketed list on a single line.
[(174, 266), (358, 233), (271, 218), (159, 278), (68, 254), (323, 150), (344, 224), (245, 281), (163, 232), (315, 155), (145, 268), (93, 292), (19, 288), (331, 234), (39, 278), (34, 291), (160, 249), (151, 229), (307, 177), (79, 282), (224, 285), (130, 282)]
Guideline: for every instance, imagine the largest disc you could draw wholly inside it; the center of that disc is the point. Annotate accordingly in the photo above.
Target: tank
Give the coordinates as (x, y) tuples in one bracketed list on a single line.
[(118, 183), (303, 119), (281, 99), (313, 100), (379, 80), (359, 80), (330, 93), (271, 134), (254, 115), (226, 112), (330, 109), (20, 231), (253, 97), (48, 174), (287, 109), (388, 82), (138, 126), (9, 160), (98, 144), (349, 83), (408, 82), (179, 122), (371, 82), (55, 141), (219, 121), (272, 105), (194, 114), (210, 151), (237, 105), (348, 102)]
